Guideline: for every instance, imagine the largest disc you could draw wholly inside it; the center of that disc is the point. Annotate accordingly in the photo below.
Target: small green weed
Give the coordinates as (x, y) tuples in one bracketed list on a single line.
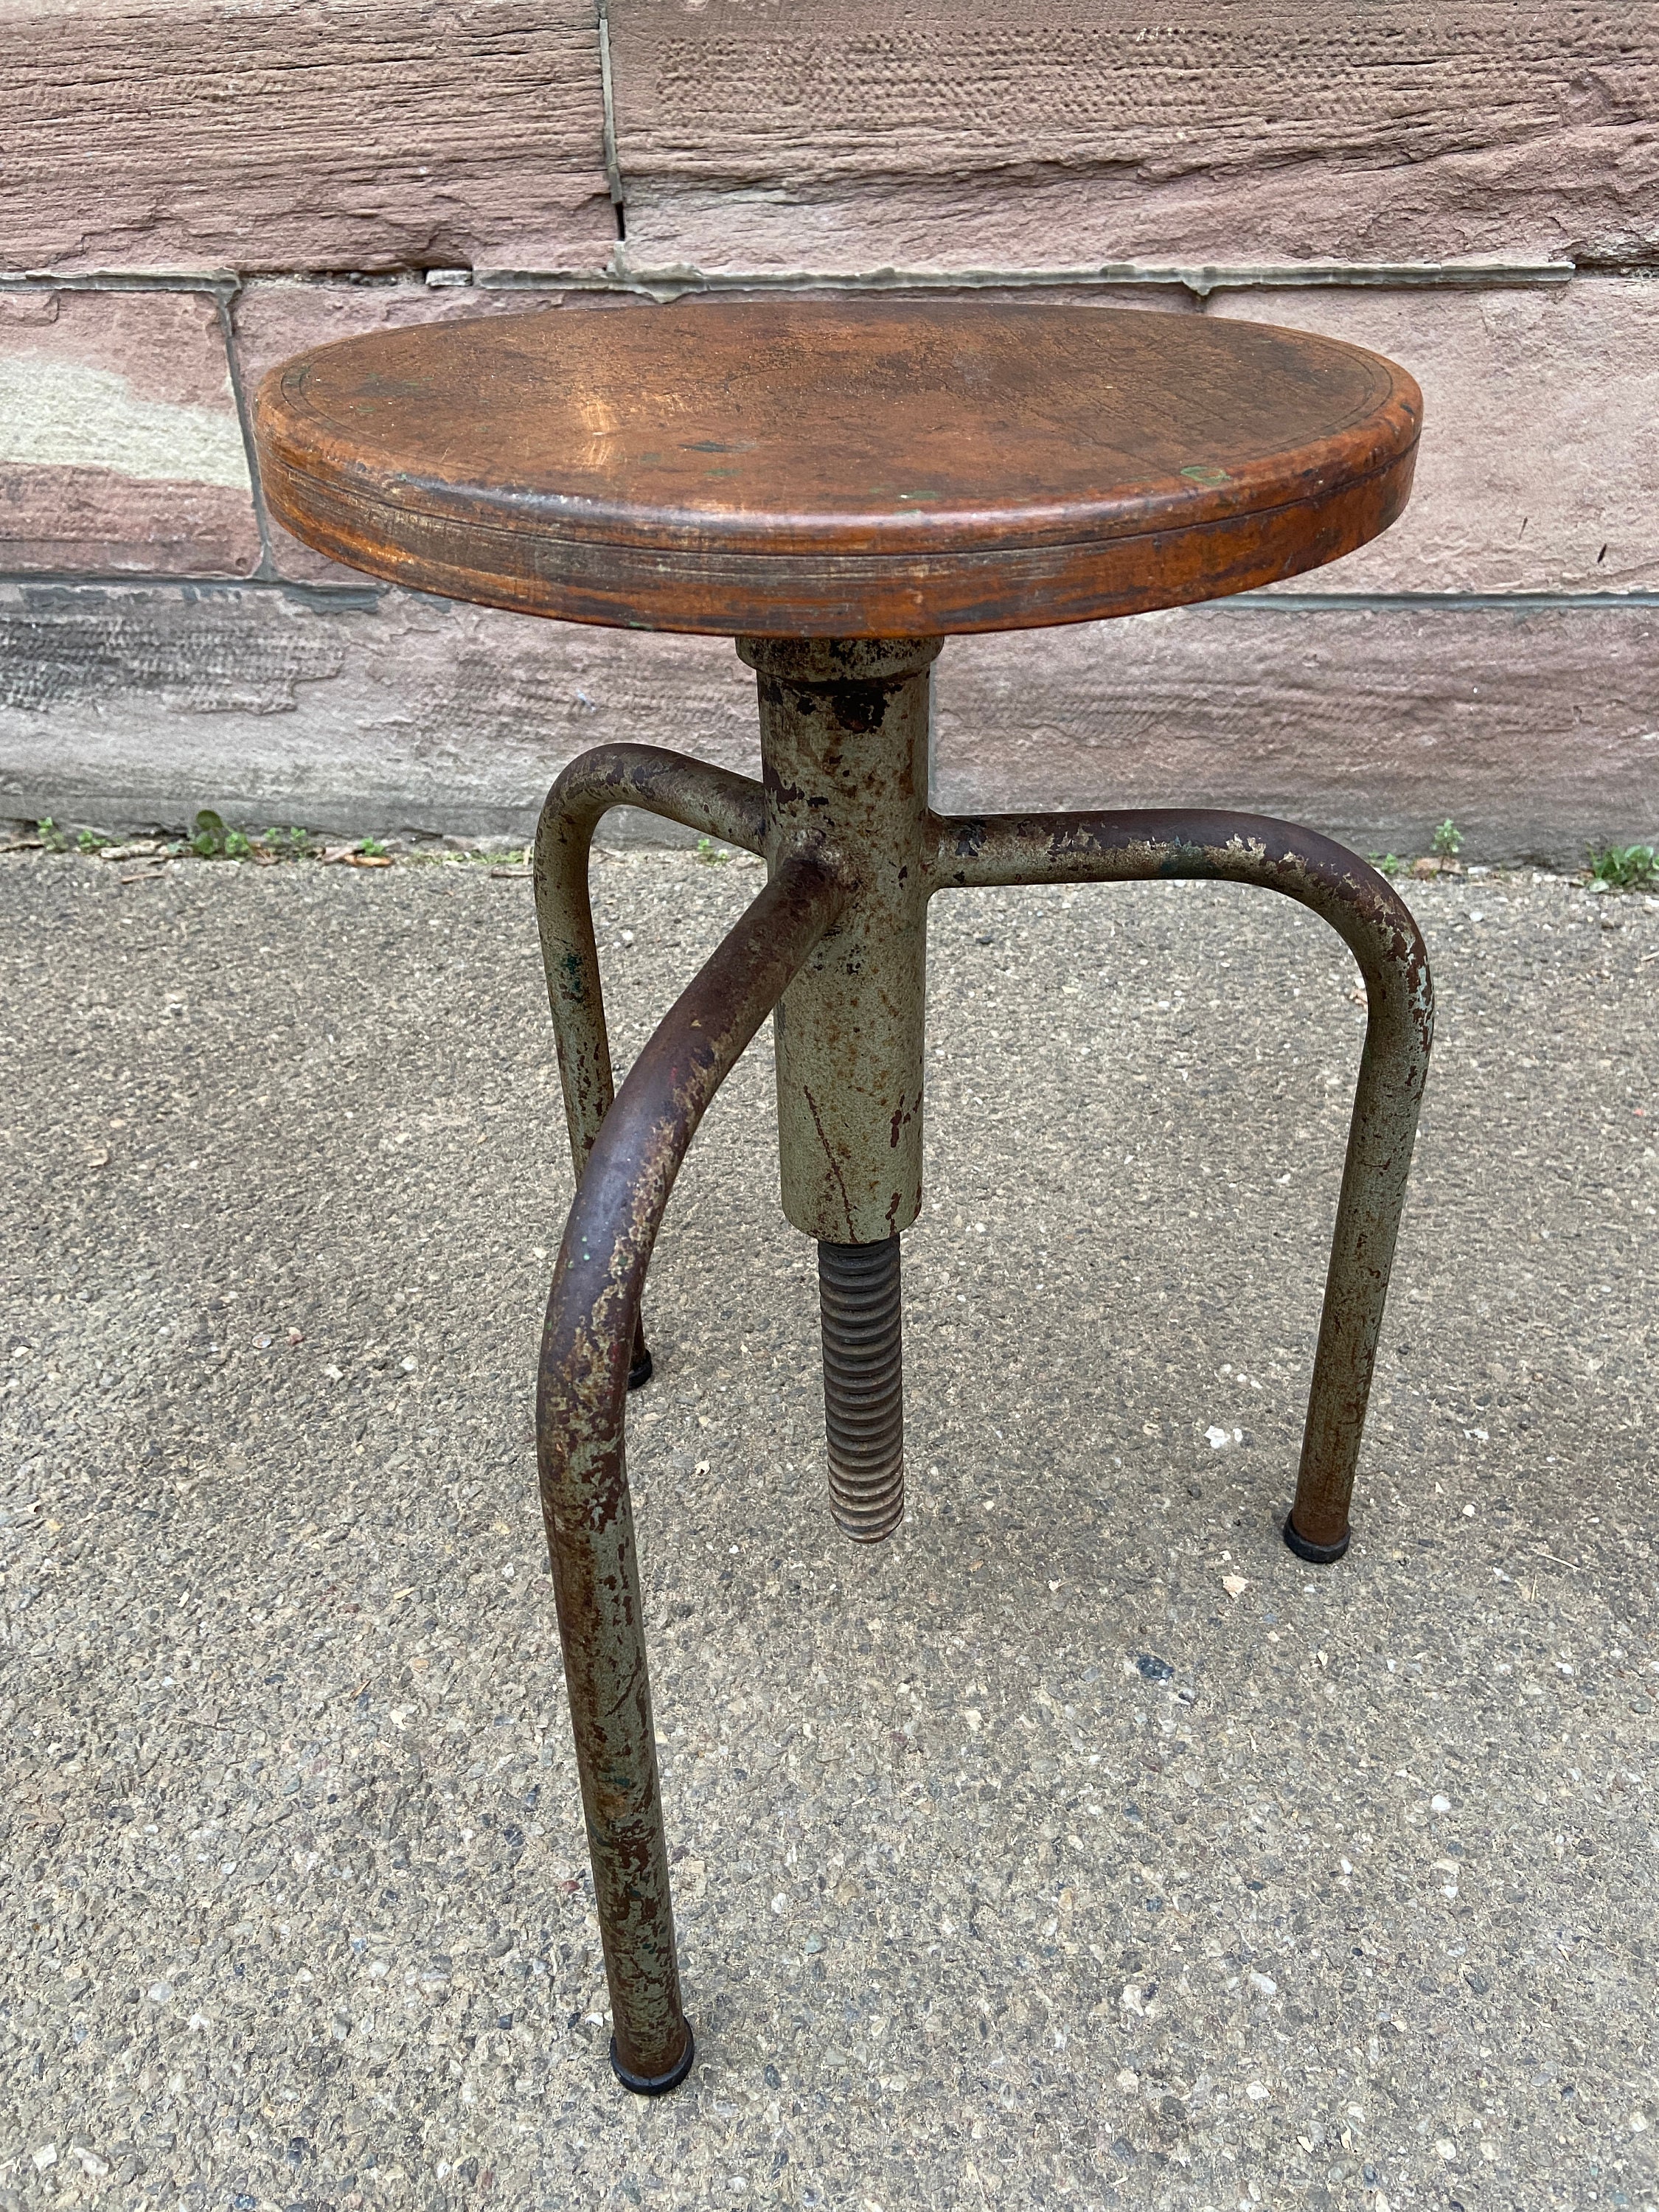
[(1624, 868), (89, 841), (211, 841), (208, 836), (372, 849), (1448, 841), (1390, 865), (52, 839), (710, 853), (292, 844)]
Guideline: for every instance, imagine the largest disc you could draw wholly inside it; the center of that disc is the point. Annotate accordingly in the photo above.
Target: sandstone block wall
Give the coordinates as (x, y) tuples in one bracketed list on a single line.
[(192, 191)]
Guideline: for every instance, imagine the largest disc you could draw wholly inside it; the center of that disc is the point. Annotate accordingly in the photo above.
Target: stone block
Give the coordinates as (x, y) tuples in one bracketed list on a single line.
[(1535, 729), (1538, 470), (120, 445), (203, 134), (963, 134), (278, 705)]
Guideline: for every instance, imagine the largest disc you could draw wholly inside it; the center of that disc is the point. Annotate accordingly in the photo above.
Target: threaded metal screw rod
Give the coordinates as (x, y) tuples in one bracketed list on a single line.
[(863, 1386)]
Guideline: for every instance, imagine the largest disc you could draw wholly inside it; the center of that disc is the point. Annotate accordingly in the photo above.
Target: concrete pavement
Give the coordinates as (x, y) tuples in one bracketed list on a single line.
[(1077, 1847)]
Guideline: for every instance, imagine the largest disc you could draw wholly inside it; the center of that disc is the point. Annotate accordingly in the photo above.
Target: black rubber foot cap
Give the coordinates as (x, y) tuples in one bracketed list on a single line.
[(655, 2085), (1317, 1555), (638, 1376)]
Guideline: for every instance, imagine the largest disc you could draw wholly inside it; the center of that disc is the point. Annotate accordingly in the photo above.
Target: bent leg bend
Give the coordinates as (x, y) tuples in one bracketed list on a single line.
[(693, 792), (1378, 929)]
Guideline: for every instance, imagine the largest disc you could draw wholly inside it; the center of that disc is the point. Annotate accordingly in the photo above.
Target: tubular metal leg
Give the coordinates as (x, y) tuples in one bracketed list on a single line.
[(592, 1310), (690, 792), (1377, 928)]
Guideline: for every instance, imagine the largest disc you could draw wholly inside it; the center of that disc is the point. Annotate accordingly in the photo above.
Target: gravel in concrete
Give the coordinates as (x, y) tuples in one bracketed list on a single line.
[(1079, 1846)]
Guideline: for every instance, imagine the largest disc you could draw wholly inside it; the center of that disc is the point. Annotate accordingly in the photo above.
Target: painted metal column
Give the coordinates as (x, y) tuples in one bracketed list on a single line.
[(844, 769), (844, 729)]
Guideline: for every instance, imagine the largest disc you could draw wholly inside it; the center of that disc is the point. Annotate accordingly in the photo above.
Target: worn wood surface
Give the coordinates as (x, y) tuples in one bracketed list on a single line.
[(847, 469), (1541, 472), (276, 319), (273, 320), (310, 135), (967, 133), (1532, 728)]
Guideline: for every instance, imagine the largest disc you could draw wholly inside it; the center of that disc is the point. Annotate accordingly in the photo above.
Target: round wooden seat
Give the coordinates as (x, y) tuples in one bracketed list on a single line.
[(849, 468)]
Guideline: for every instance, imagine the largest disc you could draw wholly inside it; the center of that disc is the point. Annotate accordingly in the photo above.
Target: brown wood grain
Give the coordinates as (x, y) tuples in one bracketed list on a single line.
[(272, 320), (311, 134), (826, 468), (963, 134), (1571, 502)]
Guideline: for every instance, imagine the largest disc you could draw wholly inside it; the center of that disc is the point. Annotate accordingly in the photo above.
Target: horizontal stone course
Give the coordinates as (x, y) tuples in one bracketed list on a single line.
[(204, 135), (1537, 471), (120, 445), (966, 134), (1536, 728)]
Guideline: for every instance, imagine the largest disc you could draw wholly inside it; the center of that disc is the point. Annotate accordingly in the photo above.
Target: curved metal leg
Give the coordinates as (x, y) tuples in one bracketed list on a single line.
[(691, 792), (592, 1312), (1377, 928)]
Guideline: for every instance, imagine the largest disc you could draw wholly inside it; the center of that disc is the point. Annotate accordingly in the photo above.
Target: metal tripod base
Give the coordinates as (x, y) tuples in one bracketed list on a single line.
[(833, 949)]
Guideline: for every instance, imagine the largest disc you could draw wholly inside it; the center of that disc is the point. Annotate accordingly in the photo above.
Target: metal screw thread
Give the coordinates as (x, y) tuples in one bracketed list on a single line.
[(863, 1386)]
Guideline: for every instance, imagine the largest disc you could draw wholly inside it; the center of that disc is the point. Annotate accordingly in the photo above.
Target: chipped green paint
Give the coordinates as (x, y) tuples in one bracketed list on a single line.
[(844, 765)]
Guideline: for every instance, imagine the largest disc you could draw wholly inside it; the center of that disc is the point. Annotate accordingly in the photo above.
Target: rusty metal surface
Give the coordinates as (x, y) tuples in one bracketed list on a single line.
[(835, 945), (1378, 929), (693, 792), (860, 1306), (844, 767), (592, 1312)]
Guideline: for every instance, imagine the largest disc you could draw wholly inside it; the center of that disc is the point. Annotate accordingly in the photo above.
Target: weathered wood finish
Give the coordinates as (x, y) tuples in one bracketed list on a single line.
[(1542, 473), (829, 469), (272, 321), (848, 135), (373, 135), (967, 134)]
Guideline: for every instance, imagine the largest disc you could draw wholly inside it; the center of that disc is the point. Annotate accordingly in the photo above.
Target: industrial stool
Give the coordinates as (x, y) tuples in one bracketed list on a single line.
[(839, 485)]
